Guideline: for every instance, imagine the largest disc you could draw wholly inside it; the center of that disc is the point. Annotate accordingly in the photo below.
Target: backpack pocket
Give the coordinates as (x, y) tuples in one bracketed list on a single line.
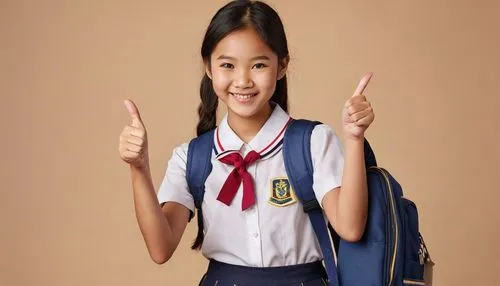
[(413, 269)]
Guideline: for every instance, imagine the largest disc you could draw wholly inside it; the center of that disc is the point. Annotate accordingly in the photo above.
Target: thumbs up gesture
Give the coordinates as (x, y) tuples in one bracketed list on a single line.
[(357, 113), (133, 139)]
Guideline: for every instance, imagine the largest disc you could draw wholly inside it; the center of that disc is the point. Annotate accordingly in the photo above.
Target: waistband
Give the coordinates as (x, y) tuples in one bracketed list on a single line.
[(222, 274)]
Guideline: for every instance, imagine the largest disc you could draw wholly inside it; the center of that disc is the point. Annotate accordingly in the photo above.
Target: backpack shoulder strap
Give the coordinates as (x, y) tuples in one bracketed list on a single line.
[(370, 160), (199, 165), (299, 168)]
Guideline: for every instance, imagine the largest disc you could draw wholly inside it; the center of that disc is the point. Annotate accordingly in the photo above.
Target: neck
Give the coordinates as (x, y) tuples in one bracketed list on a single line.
[(247, 127)]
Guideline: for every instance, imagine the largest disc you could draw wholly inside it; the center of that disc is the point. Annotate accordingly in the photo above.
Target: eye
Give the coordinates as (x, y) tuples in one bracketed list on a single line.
[(227, 66), (260, 66)]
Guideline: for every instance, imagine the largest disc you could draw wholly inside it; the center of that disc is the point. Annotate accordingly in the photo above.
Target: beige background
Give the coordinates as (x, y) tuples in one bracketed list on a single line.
[(66, 210)]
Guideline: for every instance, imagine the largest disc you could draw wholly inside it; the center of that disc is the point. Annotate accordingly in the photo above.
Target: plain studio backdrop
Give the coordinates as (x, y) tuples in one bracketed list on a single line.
[(66, 208)]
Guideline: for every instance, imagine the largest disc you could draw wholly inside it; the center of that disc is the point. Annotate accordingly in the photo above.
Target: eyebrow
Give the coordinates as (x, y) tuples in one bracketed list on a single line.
[(224, 57)]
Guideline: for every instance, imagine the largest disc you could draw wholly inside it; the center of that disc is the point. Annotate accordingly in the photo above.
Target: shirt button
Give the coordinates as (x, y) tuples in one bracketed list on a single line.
[(255, 234)]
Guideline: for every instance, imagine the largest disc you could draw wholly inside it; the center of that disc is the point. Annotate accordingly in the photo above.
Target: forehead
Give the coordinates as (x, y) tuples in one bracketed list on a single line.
[(242, 44)]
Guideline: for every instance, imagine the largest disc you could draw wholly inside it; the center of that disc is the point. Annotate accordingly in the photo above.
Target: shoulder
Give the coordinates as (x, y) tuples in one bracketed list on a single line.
[(323, 133), (324, 139), (180, 154), (323, 130), (181, 150), (318, 128)]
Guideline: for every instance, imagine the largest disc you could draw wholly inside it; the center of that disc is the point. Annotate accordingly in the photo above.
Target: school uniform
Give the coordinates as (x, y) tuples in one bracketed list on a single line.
[(271, 237)]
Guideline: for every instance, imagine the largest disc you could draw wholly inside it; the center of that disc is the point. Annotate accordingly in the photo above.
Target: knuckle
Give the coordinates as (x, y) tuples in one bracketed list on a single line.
[(142, 133), (351, 109), (140, 142)]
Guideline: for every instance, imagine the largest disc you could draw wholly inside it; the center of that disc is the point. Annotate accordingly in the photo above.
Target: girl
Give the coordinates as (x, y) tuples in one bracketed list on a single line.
[(251, 238)]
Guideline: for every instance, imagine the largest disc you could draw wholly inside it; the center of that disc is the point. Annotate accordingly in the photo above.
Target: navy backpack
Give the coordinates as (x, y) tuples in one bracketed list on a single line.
[(391, 251)]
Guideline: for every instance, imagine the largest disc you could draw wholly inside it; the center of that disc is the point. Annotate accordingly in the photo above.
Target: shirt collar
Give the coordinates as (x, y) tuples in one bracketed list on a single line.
[(266, 140)]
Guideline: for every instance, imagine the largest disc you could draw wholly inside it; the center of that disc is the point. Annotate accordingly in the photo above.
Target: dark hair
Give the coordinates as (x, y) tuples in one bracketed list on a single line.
[(234, 16)]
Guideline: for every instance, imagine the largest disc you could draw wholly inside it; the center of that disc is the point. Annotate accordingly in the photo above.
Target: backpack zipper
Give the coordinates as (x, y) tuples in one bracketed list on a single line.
[(394, 220)]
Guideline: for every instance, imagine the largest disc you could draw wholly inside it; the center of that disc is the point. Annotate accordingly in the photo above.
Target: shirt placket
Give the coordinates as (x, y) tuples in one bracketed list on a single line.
[(252, 220)]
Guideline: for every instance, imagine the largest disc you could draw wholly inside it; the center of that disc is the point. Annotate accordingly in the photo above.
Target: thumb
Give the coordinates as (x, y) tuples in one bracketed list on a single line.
[(362, 84), (134, 113)]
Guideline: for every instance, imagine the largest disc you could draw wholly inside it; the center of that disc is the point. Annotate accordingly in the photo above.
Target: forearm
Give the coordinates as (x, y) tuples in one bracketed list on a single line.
[(353, 197), (152, 222)]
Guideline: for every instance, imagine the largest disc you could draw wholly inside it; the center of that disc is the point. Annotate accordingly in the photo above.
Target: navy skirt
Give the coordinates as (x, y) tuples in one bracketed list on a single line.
[(222, 274)]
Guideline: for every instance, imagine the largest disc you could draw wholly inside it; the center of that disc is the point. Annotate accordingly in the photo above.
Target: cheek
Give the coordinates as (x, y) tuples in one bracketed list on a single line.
[(266, 80), (221, 82)]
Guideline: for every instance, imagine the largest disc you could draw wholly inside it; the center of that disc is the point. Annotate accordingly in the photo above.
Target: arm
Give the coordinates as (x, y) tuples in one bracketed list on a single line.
[(161, 226), (346, 207)]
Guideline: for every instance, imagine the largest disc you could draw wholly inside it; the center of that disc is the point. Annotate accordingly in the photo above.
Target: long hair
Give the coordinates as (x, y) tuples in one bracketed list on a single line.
[(234, 16)]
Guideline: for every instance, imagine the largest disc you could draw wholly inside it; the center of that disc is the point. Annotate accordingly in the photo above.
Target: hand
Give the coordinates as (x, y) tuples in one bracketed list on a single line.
[(133, 145), (357, 113)]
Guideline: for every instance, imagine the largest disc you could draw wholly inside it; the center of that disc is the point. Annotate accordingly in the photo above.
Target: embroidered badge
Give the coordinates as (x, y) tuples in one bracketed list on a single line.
[(281, 192)]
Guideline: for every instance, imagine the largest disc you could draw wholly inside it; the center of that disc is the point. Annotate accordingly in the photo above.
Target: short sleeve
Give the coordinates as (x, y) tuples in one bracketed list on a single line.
[(328, 160), (174, 187)]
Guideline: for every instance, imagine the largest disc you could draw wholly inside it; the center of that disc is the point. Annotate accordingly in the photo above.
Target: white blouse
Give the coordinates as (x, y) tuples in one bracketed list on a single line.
[(275, 231)]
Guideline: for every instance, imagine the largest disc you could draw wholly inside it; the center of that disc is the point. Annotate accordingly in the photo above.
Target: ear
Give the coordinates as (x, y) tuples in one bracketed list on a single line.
[(208, 69), (283, 66)]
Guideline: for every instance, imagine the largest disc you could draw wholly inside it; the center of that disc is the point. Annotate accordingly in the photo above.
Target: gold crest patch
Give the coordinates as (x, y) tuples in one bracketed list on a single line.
[(281, 192)]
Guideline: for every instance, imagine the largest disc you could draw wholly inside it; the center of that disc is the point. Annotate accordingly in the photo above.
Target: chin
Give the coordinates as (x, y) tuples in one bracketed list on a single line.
[(243, 112)]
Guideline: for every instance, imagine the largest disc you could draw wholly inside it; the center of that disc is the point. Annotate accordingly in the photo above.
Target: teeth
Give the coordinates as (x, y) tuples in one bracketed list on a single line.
[(243, 96)]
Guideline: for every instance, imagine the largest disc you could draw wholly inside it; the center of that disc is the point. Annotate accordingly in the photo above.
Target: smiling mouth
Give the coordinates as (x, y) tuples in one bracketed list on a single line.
[(243, 96)]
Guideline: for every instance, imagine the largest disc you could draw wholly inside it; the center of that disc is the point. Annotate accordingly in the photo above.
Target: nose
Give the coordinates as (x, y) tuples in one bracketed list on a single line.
[(243, 79)]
